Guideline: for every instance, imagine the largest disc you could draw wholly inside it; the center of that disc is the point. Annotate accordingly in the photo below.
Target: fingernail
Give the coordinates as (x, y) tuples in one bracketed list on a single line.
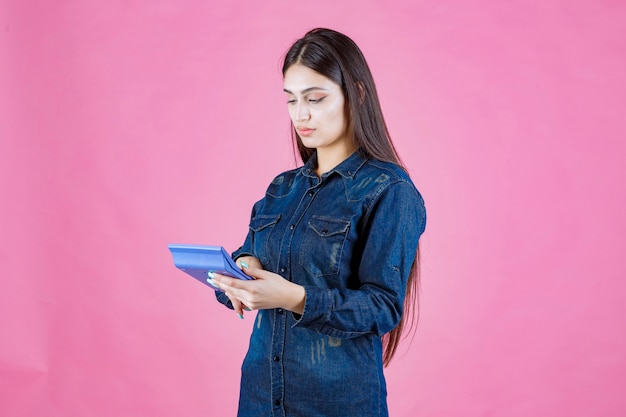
[(213, 283), (211, 274), (247, 309), (240, 316), (244, 264)]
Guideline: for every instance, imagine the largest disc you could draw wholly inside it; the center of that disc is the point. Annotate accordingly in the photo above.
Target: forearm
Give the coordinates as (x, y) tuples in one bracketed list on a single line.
[(350, 313)]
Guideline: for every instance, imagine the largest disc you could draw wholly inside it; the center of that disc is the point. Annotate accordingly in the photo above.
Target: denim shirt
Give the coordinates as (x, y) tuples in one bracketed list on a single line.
[(349, 239)]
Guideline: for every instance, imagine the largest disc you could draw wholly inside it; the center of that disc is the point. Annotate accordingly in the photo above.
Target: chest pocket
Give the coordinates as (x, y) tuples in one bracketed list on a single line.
[(322, 245), (262, 227)]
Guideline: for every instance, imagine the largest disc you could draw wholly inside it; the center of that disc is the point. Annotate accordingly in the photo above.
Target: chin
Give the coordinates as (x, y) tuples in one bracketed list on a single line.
[(310, 144)]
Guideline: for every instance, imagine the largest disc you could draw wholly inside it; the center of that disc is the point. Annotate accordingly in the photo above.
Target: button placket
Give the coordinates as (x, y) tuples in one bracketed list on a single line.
[(276, 371), (280, 318)]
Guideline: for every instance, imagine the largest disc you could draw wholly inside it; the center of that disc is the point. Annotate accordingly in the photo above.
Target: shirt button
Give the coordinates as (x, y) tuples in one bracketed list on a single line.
[(311, 193), (279, 311), (276, 402), (282, 269), (276, 358), (293, 226)]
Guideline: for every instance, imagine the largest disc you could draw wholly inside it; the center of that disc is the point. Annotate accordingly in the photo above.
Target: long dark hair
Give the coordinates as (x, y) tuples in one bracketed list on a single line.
[(338, 58)]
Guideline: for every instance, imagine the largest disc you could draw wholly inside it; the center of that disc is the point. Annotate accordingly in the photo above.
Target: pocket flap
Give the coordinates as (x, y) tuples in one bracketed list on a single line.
[(325, 226), (262, 221)]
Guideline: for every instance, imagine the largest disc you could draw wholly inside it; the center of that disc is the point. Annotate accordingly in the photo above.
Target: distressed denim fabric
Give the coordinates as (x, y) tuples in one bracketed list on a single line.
[(349, 238)]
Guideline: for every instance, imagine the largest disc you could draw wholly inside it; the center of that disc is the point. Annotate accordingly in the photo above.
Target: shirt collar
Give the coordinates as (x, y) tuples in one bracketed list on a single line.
[(347, 168)]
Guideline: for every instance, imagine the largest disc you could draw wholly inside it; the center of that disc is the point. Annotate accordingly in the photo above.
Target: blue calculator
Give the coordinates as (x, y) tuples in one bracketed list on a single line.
[(199, 261)]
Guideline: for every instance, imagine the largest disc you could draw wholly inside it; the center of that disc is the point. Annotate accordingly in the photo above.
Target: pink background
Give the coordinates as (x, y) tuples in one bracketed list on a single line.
[(128, 125)]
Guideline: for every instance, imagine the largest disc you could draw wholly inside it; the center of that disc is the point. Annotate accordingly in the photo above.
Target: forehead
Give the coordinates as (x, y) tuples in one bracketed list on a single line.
[(299, 78)]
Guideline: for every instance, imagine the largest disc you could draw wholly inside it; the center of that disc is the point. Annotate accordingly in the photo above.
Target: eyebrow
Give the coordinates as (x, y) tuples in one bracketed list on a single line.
[(306, 90)]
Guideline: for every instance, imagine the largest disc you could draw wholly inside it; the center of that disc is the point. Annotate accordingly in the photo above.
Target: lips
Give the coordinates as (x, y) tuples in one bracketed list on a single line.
[(304, 131)]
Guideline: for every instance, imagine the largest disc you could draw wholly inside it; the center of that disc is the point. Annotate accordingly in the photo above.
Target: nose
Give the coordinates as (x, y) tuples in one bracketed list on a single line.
[(302, 112)]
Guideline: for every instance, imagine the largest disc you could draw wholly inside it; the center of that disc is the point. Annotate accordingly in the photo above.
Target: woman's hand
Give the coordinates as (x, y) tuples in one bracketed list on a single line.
[(267, 290)]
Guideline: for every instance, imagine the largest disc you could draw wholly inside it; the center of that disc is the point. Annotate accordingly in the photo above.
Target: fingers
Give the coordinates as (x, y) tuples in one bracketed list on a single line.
[(267, 290), (223, 281), (230, 286), (236, 306)]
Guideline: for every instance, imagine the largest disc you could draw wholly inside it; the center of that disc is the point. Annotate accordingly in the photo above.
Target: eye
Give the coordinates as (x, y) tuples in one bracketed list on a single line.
[(314, 100)]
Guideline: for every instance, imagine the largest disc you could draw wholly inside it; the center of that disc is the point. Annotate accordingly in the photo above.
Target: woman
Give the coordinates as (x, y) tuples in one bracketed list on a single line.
[(332, 247)]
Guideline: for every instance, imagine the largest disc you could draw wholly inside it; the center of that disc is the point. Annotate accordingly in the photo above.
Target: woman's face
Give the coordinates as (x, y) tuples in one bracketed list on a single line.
[(317, 110)]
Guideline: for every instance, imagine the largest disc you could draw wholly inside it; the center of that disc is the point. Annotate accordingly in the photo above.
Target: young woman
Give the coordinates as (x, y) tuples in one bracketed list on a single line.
[(332, 247)]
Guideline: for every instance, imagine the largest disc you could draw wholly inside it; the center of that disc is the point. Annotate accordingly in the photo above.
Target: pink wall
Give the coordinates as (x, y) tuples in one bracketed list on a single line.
[(125, 126)]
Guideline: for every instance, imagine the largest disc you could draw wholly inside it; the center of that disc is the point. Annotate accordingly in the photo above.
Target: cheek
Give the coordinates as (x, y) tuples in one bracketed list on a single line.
[(335, 109), (340, 120), (290, 110), (336, 114)]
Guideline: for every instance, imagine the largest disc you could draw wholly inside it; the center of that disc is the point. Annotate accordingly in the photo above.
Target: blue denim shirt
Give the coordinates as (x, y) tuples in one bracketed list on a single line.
[(349, 238)]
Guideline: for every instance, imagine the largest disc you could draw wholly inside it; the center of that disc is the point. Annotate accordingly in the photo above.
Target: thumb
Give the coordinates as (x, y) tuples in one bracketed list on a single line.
[(251, 271)]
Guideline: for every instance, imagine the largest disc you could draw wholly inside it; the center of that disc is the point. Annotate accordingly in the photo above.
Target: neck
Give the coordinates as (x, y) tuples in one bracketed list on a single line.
[(327, 159)]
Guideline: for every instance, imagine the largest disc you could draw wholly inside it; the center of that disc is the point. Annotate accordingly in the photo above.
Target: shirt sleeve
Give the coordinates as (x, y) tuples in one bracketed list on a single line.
[(390, 235), (244, 250)]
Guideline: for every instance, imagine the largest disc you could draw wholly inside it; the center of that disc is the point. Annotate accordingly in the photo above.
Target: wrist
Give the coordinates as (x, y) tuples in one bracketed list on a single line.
[(297, 299)]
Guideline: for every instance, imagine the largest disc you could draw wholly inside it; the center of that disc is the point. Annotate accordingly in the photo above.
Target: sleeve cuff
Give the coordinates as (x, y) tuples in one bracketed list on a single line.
[(317, 303), (223, 298)]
